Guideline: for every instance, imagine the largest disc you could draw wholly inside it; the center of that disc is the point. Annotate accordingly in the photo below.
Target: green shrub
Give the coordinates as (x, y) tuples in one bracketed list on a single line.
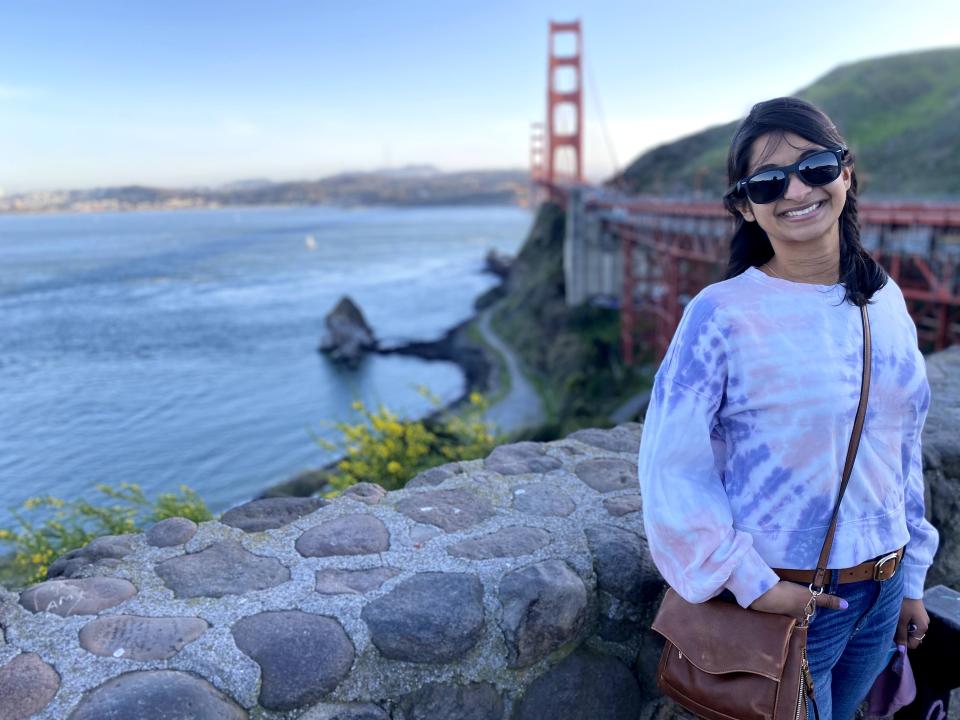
[(383, 449), (50, 526)]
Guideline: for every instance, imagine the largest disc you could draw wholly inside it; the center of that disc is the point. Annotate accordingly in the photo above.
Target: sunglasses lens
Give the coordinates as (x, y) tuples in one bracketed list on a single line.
[(819, 169), (766, 186)]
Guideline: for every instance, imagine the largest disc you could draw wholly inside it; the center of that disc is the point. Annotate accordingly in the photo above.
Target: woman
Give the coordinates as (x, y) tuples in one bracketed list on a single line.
[(752, 409)]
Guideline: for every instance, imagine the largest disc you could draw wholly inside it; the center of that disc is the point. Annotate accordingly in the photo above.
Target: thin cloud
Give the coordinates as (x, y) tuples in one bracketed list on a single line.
[(15, 92)]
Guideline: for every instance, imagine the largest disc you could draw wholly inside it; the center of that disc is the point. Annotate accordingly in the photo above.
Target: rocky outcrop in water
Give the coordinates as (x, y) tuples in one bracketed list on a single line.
[(348, 334)]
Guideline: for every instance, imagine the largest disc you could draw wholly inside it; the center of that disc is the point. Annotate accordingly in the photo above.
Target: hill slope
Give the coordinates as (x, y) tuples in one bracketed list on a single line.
[(898, 113)]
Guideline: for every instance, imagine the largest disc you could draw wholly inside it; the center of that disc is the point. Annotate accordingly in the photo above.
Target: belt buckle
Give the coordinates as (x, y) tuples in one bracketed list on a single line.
[(880, 568)]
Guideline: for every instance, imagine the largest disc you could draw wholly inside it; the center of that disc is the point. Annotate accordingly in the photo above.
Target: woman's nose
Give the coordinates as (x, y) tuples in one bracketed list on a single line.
[(797, 189)]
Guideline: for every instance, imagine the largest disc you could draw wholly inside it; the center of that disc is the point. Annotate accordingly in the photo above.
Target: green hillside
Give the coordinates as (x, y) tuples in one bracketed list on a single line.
[(900, 114)]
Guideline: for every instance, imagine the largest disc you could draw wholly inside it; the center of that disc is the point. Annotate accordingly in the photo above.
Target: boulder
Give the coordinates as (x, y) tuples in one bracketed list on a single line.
[(348, 335)]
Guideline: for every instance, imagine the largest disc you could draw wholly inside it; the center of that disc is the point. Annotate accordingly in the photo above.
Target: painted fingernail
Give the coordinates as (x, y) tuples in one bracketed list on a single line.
[(844, 604), (902, 648), (911, 627)]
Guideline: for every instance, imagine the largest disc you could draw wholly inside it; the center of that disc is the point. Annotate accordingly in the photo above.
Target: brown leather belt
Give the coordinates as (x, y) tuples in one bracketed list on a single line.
[(880, 569)]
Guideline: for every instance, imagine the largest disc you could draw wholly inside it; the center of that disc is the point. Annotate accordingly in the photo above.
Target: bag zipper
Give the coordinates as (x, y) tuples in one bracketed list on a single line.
[(805, 679)]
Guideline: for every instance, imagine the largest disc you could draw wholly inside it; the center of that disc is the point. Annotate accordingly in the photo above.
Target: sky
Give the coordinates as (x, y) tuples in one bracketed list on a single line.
[(178, 94)]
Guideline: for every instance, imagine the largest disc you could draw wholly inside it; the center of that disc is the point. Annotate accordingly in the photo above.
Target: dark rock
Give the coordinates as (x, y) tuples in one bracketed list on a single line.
[(302, 657), (270, 513), (430, 617), (498, 263), (584, 685), (544, 607), (542, 499), (345, 711), (608, 474), (170, 532), (84, 596), (334, 581), (27, 685), (435, 475), (507, 542), (623, 438), (369, 493), (224, 568), (623, 504), (623, 565), (450, 510), (157, 695), (521, 457), (941, 464), (618, 629), (436, 701), (132, 637), (355, 534), (104, 552), (348, 335)]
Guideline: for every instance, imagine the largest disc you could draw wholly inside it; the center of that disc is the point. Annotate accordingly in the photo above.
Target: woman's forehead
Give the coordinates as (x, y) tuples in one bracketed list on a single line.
[(779, 148)]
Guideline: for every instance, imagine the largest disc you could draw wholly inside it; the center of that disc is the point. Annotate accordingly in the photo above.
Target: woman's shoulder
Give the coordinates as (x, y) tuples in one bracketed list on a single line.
[(719, 297)]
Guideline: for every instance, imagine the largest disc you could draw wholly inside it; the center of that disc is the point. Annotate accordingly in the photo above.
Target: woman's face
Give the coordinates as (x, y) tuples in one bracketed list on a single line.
[(804, 214)]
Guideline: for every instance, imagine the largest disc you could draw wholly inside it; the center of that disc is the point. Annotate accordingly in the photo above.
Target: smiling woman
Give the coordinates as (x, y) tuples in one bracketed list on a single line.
[(746, 436)]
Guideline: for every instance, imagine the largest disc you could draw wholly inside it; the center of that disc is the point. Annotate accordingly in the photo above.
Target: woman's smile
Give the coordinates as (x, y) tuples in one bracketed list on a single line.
[(804, 212)]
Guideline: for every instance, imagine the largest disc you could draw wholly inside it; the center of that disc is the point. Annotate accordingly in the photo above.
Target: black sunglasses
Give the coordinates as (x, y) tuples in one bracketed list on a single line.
[(768, 185)]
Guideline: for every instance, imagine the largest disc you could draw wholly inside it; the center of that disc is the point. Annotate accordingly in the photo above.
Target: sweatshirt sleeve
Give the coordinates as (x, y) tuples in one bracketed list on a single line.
[(923, 536), (686, 513)]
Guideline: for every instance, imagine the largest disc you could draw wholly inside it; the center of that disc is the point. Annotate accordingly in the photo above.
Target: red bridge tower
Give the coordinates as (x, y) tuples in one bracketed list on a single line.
[(568, 99)]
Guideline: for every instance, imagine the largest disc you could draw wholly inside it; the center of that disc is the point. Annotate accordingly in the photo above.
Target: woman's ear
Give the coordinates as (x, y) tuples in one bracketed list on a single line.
[(847, 173), (747, 211)]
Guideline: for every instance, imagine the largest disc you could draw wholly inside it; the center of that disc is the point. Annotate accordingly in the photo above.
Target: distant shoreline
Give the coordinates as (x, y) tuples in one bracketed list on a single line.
[(424, 188)]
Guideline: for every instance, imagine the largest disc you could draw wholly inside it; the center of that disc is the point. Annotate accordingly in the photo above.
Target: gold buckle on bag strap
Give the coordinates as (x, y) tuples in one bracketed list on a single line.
[(886, 567)]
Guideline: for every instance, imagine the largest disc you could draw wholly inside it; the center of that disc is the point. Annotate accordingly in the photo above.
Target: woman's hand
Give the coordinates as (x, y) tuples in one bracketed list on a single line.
[(913, 624), (789, 598)]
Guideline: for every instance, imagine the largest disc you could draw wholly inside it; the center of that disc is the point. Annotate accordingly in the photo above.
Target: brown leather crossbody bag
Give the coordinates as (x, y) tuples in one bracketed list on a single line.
[(725, 662)]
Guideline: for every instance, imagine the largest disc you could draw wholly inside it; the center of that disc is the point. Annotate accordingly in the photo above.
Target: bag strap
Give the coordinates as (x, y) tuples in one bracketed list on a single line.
[(817, 585)]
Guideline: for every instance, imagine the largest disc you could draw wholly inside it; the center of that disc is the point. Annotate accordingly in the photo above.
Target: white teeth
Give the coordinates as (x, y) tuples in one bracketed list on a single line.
[(805, 211)]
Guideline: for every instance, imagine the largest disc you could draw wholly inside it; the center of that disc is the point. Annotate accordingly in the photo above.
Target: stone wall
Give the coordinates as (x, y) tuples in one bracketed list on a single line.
[(509, 587), (515, 587)]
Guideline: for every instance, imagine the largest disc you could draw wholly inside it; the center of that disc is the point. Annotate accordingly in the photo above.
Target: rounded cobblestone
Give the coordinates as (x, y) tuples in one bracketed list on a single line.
[(355, 534), (302, 656), (84, 596), (224, 568), (157, 695), (170, 532), (430, 617), (450, 510), (140, 638), (27, 685)]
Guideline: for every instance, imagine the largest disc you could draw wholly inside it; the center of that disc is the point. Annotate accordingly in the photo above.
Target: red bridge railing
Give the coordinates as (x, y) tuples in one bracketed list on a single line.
[(671, 250)]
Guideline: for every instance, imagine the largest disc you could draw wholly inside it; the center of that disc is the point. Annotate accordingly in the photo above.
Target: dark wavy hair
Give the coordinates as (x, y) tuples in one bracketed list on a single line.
[(860, 274)]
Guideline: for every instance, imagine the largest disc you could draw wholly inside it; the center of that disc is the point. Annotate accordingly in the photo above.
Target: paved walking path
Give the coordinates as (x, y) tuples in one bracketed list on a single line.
[(522, 406)]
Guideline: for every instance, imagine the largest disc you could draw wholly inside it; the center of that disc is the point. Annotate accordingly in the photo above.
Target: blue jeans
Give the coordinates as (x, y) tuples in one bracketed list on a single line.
[(847, 649)]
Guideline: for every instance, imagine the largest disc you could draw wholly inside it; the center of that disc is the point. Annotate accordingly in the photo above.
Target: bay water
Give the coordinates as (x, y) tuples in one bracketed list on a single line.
[(163, 348)]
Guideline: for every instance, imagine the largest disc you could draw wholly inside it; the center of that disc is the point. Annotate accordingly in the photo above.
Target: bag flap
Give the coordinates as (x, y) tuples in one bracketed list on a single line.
[(722, 637)]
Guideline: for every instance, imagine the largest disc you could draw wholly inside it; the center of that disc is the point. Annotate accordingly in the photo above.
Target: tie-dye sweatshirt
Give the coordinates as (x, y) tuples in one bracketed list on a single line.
[(747, 430)]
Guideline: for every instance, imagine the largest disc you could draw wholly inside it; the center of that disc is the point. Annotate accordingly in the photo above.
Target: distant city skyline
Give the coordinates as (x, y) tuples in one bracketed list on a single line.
[(183, 94)]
